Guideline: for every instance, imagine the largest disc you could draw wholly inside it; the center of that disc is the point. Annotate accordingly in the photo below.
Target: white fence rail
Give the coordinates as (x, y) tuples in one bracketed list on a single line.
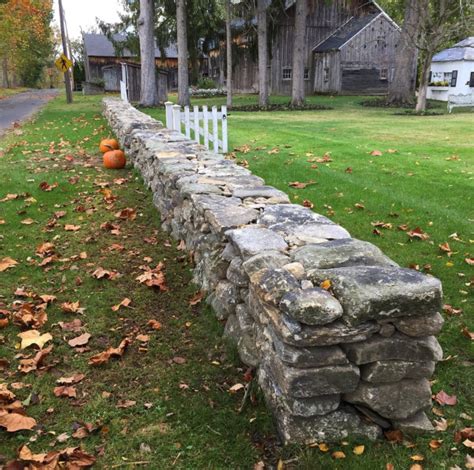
[(201, 125)]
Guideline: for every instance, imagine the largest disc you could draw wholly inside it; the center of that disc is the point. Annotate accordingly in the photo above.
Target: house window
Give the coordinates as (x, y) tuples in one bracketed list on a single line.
[(383, 74), (326, 74), (286, 73), (471, 80), (454, 78), (306, 73), (447, 77)]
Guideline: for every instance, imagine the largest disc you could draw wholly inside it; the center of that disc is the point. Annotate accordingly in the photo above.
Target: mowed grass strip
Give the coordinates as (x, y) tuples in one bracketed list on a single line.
[(183, 416)]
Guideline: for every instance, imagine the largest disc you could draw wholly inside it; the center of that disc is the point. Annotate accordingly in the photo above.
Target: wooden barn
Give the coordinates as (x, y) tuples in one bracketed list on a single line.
[(350, 49), (102, 63)]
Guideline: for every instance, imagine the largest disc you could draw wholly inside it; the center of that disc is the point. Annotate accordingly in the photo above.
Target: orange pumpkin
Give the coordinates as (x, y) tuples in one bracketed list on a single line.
[(114, 159), (108, 144)]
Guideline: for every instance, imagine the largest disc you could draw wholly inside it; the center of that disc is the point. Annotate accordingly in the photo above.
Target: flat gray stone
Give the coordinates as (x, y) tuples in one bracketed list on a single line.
[(280, 217), (416, 424), (296, 269), (314, 233), (236, 274), (305, 407), (273, 284), (396, 348), (308, 357), (300, 335), (395, 400), (311, 306), (381, 292), (265, 260), (251, 241), (421, 325), (260, 191), (340, 253), (224, 299), (304, 383), (394, 371)]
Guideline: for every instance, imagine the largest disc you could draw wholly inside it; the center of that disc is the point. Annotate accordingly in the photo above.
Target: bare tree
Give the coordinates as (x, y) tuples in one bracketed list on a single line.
[(183, 72), (148, 91), (297, 85), (441, 21), (262, 32), (228, 34), (401, 90)]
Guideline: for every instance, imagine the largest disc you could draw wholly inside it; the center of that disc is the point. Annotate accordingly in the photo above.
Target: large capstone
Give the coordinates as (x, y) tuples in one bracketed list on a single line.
[(250, 240), (303, 383), (394, 371), (311, 306), (381, 292), (340, 253), (398, 400), (396, 348)]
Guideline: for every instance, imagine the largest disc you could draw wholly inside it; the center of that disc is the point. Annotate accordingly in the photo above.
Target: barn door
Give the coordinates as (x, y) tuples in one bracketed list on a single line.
[(327, 72)]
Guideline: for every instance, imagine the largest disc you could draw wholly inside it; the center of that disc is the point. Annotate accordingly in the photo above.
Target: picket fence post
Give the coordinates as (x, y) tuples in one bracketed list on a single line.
[(177, 117), (206, 126), (224, 129), (169, 114), (196, 123)]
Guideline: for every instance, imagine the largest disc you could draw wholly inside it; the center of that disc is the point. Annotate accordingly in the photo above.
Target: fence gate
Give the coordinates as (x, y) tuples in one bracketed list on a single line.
[(212, 121)]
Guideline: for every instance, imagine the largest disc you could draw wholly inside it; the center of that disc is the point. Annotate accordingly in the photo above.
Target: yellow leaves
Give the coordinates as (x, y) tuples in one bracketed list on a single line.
[(72, 228), (124, 303), (31, 337), (326, 284), (323, 447), (7, 263), (72, 307), (236, 388), (359, 450), (435, 444), (417, 458), (338, 454)]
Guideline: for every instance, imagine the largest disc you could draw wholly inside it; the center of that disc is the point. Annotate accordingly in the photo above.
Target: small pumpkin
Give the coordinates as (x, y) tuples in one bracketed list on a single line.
[(106, 145), (114, 159)]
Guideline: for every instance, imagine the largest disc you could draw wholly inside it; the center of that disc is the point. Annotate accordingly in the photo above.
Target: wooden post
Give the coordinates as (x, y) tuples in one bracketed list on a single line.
[(225, 145), (67, 73), (205, 116), (215, 129), (169, 114), (177, 117), (187, 123), (196, 124)]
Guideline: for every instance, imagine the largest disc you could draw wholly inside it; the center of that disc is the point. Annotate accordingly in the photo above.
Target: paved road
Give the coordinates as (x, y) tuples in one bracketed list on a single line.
[(22, 106)]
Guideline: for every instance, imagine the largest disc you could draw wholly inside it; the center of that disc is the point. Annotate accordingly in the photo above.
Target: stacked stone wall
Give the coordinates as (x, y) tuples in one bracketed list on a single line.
[(343, 338)]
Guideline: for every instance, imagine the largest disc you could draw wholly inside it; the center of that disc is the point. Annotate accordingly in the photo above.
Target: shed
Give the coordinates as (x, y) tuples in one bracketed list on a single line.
[(358, 57), (452, 71)]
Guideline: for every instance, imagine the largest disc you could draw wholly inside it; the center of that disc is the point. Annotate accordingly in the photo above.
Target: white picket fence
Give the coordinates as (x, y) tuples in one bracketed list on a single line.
[(191, 121)]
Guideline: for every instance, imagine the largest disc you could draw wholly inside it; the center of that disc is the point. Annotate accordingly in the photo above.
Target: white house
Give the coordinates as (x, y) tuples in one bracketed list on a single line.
[(452, 71)]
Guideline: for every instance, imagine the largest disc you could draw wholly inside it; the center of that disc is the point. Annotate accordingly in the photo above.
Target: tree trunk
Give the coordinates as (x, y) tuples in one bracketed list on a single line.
[(297, 85), (148, 90), (424, 79), (262, 53), (228, 35), (183, 71), (6, 83), (401, 90)]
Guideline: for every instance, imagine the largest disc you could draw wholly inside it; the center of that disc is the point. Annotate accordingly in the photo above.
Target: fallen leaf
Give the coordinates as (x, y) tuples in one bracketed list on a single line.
[(394, 436), (101, 273), (376, 153), (7, 263), (44, 186), (236, 388), (299, 185), (446, 248), (72, 307), (417, 458), (323, 447), (31, 364), (359, 205), (441, 424), (79, 340), (13, 422), (143, 338), (124, 303), (435, 444), (103, 357), (74, 379), (126, 403), (127, 214), (65, 391), (31, 337), (418, 233), (28, 221), (444, 399), (359, 450), (468, 334), (153, 277), (338, 454), (179, 360), (72, 228), (154, 324), (196, 298), (307, 203), (468, 443), (326, 284)]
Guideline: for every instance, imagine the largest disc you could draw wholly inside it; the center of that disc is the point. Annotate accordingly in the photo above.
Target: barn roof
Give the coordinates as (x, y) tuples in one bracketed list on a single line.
[(98, 45), (346, 32), (463, 50)]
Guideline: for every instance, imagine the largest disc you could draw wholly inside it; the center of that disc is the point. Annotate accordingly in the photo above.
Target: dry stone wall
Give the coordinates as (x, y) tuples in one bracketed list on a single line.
[(351, 359)]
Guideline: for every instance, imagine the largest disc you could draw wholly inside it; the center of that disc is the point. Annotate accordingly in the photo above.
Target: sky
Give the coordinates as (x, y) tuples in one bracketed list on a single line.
[(83, 14)]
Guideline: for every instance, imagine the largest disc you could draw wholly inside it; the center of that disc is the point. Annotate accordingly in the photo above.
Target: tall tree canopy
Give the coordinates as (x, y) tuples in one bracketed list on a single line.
[(25, 40)]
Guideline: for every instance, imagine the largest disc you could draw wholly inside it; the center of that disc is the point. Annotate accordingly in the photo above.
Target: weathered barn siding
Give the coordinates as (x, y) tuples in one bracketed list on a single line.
[(323, 18), (245, 77), (366, 55), (327, 72)]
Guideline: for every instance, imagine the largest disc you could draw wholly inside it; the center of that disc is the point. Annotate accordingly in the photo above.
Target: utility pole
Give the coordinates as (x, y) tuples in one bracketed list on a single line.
[(67, 73)]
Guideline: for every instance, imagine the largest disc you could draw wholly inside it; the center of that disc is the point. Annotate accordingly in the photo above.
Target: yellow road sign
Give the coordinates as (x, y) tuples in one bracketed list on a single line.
[(63, 63)]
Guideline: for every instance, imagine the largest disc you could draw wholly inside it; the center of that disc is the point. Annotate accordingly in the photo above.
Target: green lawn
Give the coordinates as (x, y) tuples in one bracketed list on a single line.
[(184, 415)]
